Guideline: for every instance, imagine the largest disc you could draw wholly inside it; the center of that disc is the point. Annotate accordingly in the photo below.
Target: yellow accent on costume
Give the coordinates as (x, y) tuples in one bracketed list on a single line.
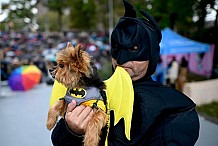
[(58, 91), (91, 102), (120, 95)]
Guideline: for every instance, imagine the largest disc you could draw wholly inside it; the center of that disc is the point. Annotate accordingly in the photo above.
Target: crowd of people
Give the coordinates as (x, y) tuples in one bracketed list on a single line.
[(26, 48), (39, 48)]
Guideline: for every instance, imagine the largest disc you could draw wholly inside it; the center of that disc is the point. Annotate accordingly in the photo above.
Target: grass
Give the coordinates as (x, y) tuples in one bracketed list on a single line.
[(209, 111)]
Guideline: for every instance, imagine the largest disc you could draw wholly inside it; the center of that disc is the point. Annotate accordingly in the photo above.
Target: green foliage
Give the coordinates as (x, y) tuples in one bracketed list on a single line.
[(48, 21), (90, 14), (178, 15), (2, 27), (209, 110), (18, 11), (83, 14), (173, 13), (200, 9), (57, 6), (201, 12)]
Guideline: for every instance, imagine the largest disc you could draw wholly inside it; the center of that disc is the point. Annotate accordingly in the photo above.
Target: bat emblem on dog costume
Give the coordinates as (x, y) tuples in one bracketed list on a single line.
[(78, 92)]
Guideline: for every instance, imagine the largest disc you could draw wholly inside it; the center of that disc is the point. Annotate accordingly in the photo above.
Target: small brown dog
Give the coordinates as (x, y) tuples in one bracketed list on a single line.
[(76, 71)]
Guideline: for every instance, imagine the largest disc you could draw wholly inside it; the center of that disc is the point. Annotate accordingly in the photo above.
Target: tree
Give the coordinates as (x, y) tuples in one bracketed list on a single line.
[(57, 6), (82, 14), (176, 14), (20, 13), (201, 11)]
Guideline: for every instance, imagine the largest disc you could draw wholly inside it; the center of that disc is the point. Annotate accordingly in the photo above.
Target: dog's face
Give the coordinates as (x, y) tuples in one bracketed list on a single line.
[(72, 65)]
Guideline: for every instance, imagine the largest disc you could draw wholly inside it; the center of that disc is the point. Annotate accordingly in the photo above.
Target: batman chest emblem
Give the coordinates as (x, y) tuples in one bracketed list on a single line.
[(77, 92)]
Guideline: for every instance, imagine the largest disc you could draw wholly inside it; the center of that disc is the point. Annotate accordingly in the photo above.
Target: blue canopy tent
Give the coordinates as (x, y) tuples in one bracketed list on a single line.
[(174, 43)]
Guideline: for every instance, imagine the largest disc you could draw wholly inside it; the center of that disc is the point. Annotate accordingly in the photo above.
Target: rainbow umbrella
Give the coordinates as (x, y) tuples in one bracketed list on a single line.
[(24, 77)]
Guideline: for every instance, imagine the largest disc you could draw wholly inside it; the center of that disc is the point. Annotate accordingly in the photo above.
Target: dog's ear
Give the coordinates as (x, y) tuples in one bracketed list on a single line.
[(70, 50), (78, 51), (69, 45), (83, 60)]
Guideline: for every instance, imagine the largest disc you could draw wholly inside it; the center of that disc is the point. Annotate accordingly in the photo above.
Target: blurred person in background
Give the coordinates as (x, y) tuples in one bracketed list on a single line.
[(173, 71), (183, 72)]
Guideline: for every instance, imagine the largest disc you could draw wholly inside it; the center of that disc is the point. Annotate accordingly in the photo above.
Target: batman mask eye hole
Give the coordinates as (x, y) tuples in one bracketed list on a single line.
[(134, 48), (61, 65)]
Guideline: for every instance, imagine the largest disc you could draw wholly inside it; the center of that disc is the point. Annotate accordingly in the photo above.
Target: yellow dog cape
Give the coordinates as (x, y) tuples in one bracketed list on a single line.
[(120, 97)]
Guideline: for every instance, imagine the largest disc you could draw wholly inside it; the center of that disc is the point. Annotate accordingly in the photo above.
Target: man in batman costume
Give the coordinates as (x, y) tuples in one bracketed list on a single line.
[(161, 116)]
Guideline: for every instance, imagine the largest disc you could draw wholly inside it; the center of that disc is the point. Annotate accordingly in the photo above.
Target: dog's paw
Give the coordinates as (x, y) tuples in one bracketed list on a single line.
[(50, 124)]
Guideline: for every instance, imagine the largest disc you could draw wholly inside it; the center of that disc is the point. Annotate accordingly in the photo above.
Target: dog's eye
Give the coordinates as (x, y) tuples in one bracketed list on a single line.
[(61, 65)]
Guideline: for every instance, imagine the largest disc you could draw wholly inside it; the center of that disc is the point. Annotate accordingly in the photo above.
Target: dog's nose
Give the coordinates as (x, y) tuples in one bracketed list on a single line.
[(51, 72)]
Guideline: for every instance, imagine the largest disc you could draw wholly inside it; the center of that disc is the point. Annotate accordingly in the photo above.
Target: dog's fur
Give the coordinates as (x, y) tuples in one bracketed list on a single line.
[(75, 69)]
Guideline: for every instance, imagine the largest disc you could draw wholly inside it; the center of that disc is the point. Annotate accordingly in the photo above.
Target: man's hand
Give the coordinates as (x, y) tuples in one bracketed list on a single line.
[(77, 117)]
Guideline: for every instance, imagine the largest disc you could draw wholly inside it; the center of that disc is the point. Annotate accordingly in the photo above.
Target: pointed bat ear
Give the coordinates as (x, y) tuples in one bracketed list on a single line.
[(152, 22), (69, 45), (149, 17), (129, 10), (78, 51)]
